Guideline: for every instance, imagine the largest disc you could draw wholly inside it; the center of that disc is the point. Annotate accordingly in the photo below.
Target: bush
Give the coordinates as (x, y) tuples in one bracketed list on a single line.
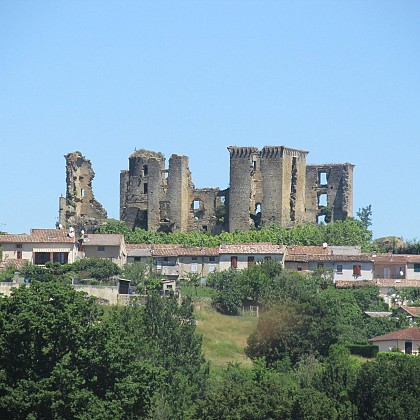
[(365, 350)]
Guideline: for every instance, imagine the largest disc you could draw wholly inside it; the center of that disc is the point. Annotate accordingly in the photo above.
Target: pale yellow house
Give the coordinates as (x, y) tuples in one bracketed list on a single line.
[(40, 246), (243, 255), (107, 246)]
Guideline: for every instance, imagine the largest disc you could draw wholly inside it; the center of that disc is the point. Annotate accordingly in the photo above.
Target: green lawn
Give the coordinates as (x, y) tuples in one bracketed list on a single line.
[(224, 337)]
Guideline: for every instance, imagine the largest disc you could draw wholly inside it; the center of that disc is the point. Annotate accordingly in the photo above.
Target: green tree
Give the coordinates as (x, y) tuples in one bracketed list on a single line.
[(97, 268), (365, 216), (387, 388)]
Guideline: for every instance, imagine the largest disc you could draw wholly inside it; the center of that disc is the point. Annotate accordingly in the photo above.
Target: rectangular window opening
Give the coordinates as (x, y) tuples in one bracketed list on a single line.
[(357, 270), (322, 200), (234, 262), (322, 178), (101, 248)]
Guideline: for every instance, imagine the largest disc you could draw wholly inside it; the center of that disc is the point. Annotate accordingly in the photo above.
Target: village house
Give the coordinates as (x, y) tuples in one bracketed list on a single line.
[(406, 341), (108, 246), (243, 255), (411, 312), (40, 246), (345, 263)]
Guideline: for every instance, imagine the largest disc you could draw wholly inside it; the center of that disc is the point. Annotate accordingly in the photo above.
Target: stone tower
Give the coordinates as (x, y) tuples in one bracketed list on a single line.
[(79, 208)]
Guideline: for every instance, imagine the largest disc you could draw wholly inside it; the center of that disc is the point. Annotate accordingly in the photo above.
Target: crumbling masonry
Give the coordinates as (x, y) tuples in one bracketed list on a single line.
[(79, 208), (273, 185)]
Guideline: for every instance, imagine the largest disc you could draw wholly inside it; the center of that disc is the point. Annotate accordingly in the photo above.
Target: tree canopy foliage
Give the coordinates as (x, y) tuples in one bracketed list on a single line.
[(60, 358), (346, 232)]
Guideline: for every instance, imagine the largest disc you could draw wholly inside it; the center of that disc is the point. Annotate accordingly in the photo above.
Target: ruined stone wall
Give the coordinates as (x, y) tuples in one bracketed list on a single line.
[(79, 208), (269, 186), (202, 210), (179, 186), (241, 185), (329, 190), (142, 189)]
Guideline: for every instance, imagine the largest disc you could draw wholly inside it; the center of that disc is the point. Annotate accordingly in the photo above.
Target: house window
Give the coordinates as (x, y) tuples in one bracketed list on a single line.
[(19, 255), (194, 258), (137, 259), (339, 269), (212, 259), (41, 258), (234, 262), (165, 259), (357, 270), (268, 258), (101, 248), (194, 267), (417, 268), (299, 269), (61, 257), (251, 261), (320, 265), (19, 246)]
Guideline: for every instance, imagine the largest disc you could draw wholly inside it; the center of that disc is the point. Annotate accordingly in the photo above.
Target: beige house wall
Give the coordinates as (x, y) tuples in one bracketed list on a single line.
[(411, 274), (28, 249), (201, 265), (114, 253), (225, 260), (388, 345)]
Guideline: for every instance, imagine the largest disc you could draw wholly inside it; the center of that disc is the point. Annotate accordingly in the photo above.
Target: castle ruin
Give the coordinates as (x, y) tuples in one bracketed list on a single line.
[(79, 208), (273, 185)]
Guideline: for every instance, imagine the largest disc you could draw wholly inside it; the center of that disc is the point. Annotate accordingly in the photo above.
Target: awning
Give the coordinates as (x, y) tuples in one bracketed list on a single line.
[(51, 250)]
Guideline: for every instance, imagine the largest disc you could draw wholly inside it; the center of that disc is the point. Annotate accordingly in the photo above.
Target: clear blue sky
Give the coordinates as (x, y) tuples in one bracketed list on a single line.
[(338, 78)]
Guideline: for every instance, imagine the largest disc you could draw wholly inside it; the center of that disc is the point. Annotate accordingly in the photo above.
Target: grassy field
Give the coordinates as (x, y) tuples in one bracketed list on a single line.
[(224, 337)]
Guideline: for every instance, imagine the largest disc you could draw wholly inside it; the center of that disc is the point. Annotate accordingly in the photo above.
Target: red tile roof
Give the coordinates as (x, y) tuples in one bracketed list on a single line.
[(412, 310), (412, 333), (252, 248), (39, 236), (343, 284), (397, 283)]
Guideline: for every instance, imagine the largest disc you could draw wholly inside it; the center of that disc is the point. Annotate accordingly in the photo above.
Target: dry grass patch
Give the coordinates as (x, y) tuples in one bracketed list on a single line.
[(224, 337)]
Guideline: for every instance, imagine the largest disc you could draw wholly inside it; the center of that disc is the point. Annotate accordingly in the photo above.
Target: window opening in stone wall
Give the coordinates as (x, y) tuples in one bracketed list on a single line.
[(82, 192), (145, 188), (357, 270), (101, 248), (205, 228), (322, 178), (145, 170), (320, 219), (222, 199), (322, 200), (254, 164), (417, 268), (256, 216), (339, 269), (198, 208), (234, 262), (18, 245)]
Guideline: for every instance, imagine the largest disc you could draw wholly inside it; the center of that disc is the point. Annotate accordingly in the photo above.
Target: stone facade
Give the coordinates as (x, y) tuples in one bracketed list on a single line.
[(155, 198), (79, 208), (273, 185)]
